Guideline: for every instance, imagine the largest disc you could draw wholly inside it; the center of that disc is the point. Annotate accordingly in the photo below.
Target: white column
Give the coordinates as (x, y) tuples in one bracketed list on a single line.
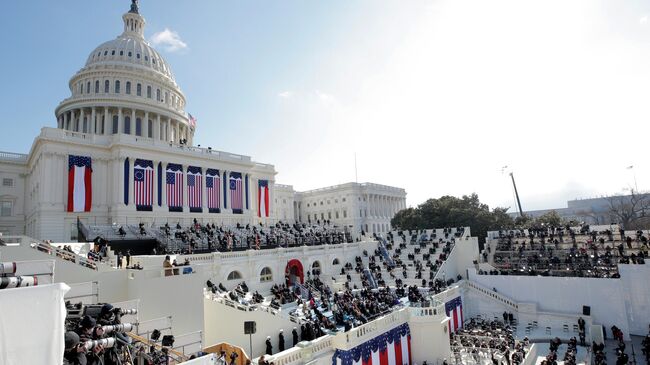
[(72, 120), (93, 123), (106, 121), (145, 125), (156, 128), (81, 120), (120, 121), (65, 120), (132, 130)]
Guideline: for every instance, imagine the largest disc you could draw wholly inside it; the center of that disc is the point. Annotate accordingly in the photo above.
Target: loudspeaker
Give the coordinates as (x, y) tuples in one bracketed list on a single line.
[(250, 327), (586, 310)]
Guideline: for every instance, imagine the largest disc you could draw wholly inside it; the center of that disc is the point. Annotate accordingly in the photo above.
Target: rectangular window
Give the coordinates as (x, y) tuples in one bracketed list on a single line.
[(345, 214), (149, 92), (150, 128), (337, 214), (7, 182), (138, 90), (5, 208)]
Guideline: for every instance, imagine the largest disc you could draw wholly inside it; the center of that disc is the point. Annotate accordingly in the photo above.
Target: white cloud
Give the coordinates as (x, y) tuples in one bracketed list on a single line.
[(643, 20), (285, 94), (169, 40), (325, 98)]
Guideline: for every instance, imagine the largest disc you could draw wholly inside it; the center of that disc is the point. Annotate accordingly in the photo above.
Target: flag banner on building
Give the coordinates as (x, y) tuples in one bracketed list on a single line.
[(389, 348), (160, 184), (454, 310), (127, 169), (174, 194), (195, 189), (143, 184), (192, 120), (236, 193), (80, 191), (246, 194), (213, 187), (263, 198)]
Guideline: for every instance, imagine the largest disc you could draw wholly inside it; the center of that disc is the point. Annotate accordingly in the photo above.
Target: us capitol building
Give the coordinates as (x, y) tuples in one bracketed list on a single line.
[(126, 119), (312, 293)]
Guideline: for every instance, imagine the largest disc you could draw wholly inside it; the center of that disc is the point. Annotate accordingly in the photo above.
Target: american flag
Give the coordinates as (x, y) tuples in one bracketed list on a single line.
[(143, 183), (192, 120), (454, 310), (236, 195), (194, 187), (174, 185), (79, 183), (212, 185)]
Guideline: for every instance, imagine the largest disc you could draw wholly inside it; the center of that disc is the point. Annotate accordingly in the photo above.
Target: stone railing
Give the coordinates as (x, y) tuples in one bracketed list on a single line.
[(13, 157)]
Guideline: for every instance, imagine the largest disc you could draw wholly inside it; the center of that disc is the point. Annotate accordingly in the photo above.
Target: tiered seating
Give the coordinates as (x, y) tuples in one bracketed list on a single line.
[(416, 257), (486, 342), (565, 251), (200, 238)]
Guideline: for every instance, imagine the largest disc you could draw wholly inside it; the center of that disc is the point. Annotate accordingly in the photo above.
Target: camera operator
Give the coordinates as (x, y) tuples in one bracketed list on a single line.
[(75, 352), (88, 329)]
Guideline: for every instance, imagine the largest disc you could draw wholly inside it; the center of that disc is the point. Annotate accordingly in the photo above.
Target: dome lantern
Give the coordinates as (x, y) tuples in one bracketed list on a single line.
[(133, 22)]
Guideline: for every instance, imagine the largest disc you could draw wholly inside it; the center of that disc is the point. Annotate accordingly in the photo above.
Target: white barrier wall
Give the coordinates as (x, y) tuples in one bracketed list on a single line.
[(612, 301), (635, 280), (226, 324), (32, 324)]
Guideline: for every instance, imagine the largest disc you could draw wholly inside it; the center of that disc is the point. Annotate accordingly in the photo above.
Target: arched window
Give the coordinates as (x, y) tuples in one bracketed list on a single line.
[(127, 125), (335, 262), (266, 275), (128, 87), (158, 95), (138, 127), (97, 87), (234, 275), (115, 124), (106, 86), (117, 86), (138, 90), (149, 92)]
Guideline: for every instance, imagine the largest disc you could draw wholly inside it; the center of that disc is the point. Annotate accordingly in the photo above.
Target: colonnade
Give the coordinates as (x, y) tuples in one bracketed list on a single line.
[(384, 206), (118, 120)]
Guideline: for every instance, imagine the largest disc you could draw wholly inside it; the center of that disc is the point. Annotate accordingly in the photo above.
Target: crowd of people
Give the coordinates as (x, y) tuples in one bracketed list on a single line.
[(565, 251), (201, 238), (95, 335), (486, 340), (570, 354)]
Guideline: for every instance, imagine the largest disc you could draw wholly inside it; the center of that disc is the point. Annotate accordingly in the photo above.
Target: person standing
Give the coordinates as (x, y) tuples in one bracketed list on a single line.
[(167, 265), (269, 347), (119, 259), (294, 333), (281, 341), (128, 258)]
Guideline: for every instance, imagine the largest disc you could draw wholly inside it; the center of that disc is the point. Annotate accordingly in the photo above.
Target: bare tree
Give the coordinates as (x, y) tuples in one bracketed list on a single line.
[(628, 209)]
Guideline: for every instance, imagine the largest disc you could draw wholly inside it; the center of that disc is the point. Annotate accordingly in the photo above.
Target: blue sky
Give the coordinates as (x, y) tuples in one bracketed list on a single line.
[(433, 96)]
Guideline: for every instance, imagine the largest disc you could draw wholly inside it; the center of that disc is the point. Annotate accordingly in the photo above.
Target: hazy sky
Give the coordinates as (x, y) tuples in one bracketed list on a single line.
[(433, 96)]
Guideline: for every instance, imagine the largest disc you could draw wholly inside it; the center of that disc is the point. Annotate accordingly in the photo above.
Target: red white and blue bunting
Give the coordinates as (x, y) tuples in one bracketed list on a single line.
[(389, 348)]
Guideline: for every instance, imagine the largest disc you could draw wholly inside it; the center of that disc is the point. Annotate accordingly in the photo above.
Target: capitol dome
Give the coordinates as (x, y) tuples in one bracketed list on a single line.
[(127, 87)]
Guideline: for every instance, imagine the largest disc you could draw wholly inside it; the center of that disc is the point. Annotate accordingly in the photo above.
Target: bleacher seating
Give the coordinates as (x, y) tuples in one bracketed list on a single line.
[(564, 251), (485, 342), (202, 238)]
